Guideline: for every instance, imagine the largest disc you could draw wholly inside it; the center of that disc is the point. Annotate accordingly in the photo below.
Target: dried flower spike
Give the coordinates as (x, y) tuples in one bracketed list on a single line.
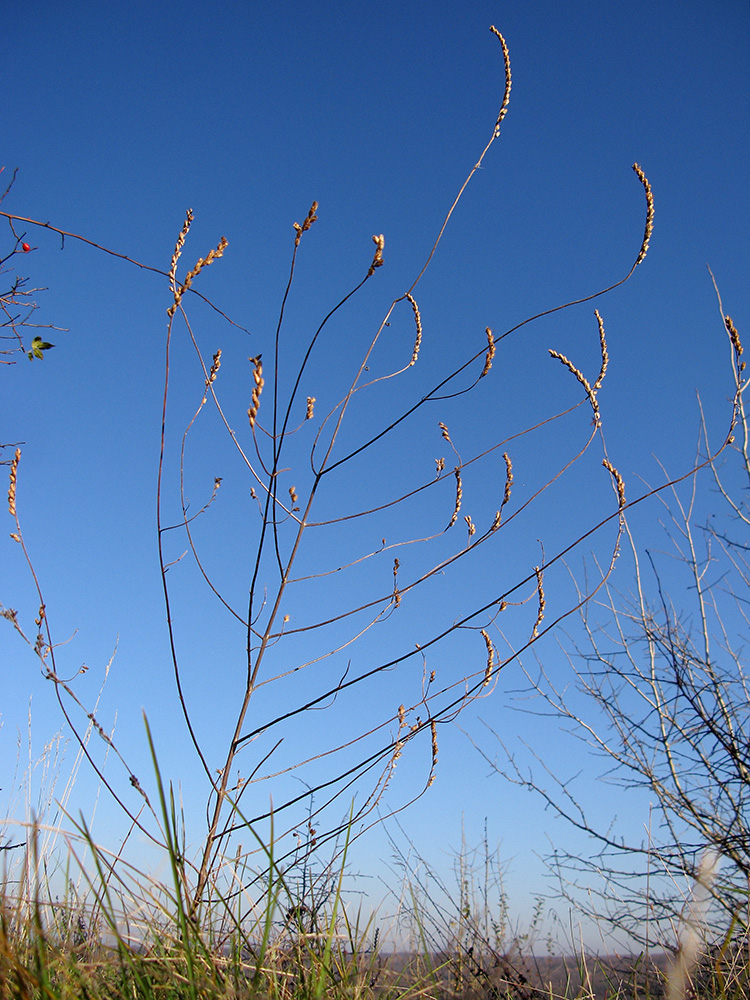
[(603, 348), (490, 352), (433, 730), (418, 321), (377, 260), (12, 487), (257, 364), (733, 335), (215, 366), (584, 382), (193, 273), (619, 482), (490, 658), (542, 601), (202, 262), (508, 81), (311, 217), (459, 496), (180, 243), (649, 214), (508, 477)]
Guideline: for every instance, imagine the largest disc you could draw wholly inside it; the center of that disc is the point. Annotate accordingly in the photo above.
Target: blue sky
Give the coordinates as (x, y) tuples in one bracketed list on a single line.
[(120, 117)]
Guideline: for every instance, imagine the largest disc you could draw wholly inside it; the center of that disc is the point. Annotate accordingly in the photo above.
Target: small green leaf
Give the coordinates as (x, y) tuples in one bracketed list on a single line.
[(38, 346)]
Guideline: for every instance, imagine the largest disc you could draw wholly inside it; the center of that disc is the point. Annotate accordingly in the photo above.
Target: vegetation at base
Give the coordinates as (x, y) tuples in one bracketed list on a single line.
[(117, 933)]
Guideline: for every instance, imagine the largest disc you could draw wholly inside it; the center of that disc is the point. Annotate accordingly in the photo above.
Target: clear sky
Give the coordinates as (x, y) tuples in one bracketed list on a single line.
[(121, 117)]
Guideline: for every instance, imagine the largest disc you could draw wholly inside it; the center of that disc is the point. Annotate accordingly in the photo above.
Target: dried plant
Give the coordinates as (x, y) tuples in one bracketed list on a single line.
[(320, 461)]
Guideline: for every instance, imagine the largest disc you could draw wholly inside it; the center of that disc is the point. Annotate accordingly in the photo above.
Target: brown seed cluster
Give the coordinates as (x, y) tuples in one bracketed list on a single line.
[(418, 321), (202, 262), (591, 390), (584, 382), (377, 260), (433, 730), (214, 370), (180, 244), (649, 214), (507, 491), (257, 364), (490, 352), (542, 601), (619, 482), (733, 335), (193, 273), (490, 658), (508, 477), (459, 497), (310, 407), (311, 217), (12, 486), (508, 81), (605, 352)]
